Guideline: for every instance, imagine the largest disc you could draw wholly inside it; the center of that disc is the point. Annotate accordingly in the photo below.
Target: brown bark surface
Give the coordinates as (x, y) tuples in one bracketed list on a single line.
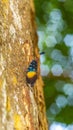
[(21, 107)]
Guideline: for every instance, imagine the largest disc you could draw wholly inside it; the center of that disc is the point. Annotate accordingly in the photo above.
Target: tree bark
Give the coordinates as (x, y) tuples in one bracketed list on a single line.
[(21, 107)]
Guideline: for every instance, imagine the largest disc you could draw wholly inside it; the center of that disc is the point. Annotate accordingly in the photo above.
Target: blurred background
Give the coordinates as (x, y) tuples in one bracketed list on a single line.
[(55, 31)]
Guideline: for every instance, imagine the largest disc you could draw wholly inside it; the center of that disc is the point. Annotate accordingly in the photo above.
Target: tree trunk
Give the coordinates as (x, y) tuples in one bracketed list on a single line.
[(21, 107)]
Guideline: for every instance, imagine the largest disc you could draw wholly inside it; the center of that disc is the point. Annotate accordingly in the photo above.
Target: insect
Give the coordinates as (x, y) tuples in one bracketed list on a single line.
[(31, 74)]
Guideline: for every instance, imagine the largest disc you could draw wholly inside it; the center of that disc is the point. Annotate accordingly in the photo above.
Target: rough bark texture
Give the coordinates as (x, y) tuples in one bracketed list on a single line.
[(21, 107)]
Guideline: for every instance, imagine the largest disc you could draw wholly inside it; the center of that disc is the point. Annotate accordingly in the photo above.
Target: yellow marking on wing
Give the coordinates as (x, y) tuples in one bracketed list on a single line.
[(31, 74)]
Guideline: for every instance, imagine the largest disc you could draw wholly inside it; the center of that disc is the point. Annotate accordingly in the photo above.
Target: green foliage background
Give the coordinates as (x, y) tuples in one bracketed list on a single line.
[(43, 9)]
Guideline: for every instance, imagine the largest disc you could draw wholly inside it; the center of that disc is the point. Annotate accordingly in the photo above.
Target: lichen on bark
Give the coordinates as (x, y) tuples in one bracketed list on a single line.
[(21, 108)]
